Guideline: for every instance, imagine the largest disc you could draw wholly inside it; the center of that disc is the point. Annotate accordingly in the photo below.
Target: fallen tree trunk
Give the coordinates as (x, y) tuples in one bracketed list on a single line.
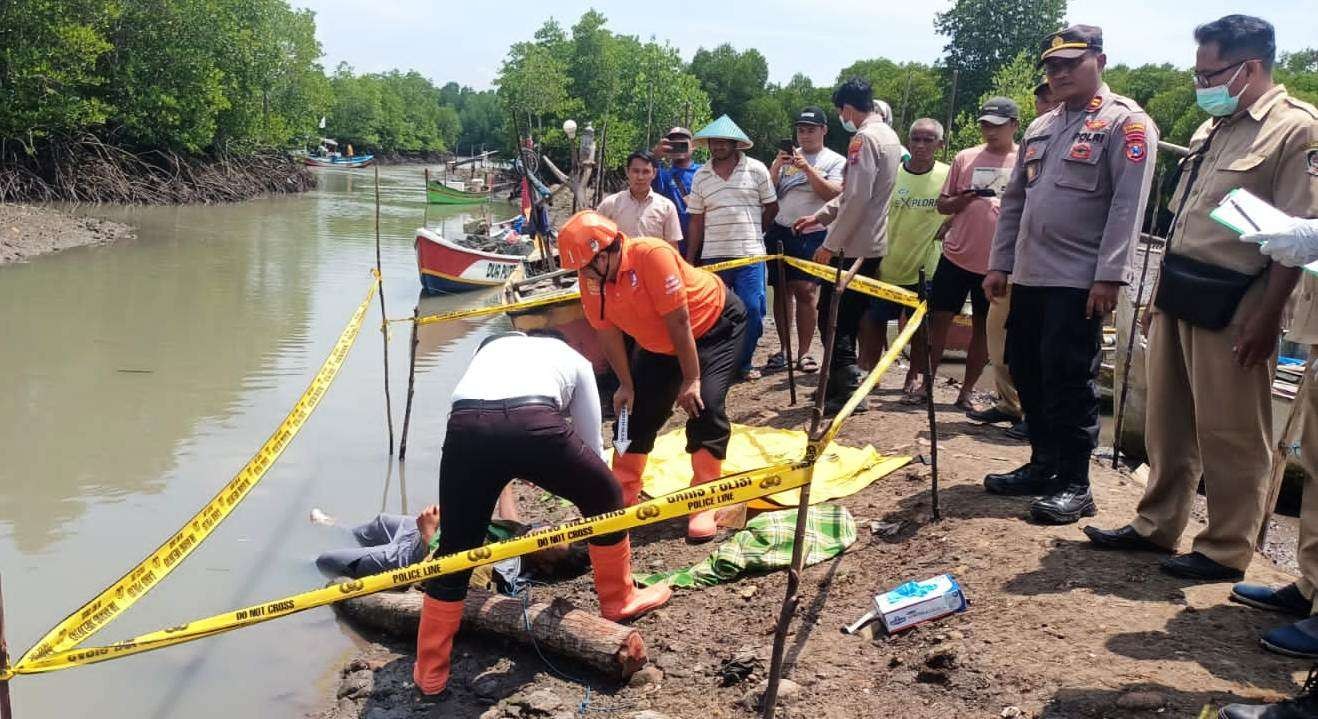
[(559, 627)]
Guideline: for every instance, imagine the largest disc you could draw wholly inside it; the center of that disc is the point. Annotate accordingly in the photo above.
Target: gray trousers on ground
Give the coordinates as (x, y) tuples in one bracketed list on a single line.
[(390, 541)]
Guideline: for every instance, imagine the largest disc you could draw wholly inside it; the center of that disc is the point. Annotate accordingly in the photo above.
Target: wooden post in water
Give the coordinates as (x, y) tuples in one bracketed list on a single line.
[(792, 597), (6, 711), (929, 402), (384, 318), (411, 386)]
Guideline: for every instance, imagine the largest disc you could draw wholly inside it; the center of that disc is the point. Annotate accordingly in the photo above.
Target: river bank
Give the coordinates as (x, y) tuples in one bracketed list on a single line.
[(27, 232), (1054, 630)]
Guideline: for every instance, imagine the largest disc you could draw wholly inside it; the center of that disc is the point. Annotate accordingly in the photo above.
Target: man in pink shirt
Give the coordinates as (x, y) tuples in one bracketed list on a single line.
[(971, 197)]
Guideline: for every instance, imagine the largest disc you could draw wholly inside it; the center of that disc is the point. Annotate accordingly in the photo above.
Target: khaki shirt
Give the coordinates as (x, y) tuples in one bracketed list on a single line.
[(655, 216), (857, 219), (1075, 201)]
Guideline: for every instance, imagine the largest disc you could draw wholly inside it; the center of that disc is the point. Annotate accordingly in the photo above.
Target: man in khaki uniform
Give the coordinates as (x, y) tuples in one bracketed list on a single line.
[(1210, 373), (1070, 215), (857, 222)]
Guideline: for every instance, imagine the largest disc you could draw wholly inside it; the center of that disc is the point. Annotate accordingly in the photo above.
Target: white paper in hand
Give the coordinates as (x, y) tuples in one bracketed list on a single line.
[(1243, 212), (622, 429)]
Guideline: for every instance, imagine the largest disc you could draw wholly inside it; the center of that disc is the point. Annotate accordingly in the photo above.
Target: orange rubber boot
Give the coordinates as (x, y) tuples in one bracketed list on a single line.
[(434, 642), (702, 526), (629, 468), (619, 597)]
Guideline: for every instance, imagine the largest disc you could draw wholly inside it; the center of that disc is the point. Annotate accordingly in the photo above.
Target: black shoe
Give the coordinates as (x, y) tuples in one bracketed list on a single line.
[(992, 415), (1020, 430), (1024, 481), (1303, 706), (833, 405), (1196, 566), (1065, 507), (1125, 538)]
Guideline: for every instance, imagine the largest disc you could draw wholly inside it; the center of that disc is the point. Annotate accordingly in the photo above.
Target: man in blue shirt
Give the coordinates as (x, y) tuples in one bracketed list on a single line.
[(673, 180)]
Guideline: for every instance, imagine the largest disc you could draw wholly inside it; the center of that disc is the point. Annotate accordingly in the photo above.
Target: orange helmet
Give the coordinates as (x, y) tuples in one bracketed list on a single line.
[(583, 236)]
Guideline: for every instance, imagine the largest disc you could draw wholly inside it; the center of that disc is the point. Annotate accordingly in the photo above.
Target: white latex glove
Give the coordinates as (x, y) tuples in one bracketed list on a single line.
[(1295, 246)]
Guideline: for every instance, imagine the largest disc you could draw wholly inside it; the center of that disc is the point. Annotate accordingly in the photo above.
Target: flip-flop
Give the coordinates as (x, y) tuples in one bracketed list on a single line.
[(807, 364), (913, 398)]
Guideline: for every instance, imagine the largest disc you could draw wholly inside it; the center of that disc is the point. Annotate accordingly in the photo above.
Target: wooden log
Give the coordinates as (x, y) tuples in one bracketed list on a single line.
[(611, 648)]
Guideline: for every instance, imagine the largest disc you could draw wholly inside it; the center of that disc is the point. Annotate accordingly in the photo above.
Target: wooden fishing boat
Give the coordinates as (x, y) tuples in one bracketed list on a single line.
[(448, 266), (563, 315), (438, 193), (339, 161)]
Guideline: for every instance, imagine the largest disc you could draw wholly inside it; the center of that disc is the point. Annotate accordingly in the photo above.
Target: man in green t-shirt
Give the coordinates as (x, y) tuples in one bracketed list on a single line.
[(913, 224)]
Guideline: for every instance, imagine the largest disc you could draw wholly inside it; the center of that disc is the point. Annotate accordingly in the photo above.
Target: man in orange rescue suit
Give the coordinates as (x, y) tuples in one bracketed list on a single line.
[(1070, 215), (688, 330)]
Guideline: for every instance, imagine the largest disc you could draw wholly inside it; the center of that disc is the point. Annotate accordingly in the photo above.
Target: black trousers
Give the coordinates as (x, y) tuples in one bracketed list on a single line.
[(485, 449), (845, 374), (658, 378), (1054, 355)]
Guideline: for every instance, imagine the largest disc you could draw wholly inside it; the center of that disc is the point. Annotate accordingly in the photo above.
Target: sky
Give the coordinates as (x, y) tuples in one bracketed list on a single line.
[(465, 41)]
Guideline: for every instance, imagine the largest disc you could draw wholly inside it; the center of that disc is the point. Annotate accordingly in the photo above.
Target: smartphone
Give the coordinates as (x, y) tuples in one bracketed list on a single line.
[(678, 147), (986, 192), (787, 146)]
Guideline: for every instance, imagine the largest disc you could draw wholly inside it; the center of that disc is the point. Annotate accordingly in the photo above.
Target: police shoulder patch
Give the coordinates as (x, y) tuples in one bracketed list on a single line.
[(1095, 103), (1313, 161)]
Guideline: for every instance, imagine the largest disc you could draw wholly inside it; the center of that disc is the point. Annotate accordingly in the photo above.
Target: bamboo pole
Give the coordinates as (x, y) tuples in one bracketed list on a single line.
[(951, 113), (792, 596), (6, 711), (929, 404), (411, 386), (384, 319), (1151, 227)]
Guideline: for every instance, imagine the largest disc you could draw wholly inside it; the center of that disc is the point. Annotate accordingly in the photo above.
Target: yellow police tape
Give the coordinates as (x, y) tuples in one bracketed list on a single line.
[(121, 595), (729, 490), (865, 285)]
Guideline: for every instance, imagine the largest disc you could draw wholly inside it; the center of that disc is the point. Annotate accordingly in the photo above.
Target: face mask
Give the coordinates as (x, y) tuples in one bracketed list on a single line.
[(1217, 100), (848, 125)]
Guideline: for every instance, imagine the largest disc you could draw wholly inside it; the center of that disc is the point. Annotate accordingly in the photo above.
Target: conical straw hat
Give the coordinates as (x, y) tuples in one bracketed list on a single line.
[(723, 129)]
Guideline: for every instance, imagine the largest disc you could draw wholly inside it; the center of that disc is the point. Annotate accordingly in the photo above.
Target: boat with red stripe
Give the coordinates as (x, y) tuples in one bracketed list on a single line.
[(449, 266)]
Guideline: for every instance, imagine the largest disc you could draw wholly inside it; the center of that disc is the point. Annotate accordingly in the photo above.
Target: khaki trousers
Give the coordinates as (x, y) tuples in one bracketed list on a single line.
[(1207, 418), (1307, 552), (1008, 400)]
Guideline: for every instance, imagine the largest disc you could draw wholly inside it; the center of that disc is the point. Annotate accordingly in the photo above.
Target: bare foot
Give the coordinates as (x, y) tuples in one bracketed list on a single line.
[(428, 523)]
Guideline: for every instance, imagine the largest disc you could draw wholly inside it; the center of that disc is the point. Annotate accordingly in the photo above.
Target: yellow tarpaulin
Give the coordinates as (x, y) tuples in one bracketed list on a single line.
[(840, 472)]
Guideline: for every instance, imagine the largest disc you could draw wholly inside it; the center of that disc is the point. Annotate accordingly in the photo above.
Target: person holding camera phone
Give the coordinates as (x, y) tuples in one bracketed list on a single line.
[(674, 179), (971, 197), (806, 175)]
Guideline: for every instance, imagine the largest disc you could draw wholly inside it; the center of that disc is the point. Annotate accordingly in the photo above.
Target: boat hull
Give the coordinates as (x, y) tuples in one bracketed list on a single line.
[(447, 268), (345, 162), (437, 193)]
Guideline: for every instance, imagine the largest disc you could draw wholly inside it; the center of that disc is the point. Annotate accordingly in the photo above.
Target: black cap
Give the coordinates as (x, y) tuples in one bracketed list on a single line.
[(811, 116), (1041, 89), (998, 110), (1074, 41)]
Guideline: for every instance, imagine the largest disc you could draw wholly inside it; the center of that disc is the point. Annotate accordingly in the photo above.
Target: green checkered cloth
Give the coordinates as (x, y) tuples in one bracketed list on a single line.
[(765, 545)]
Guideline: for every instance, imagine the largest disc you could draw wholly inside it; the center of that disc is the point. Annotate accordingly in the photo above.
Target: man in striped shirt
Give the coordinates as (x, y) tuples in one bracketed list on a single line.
[(732, 201)]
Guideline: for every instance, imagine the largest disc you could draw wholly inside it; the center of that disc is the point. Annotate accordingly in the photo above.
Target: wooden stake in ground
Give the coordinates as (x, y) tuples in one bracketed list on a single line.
[(6, 711), (384, 319), (792, 597), (1147, 239), (780, 295), (929, 404), (411, 386)]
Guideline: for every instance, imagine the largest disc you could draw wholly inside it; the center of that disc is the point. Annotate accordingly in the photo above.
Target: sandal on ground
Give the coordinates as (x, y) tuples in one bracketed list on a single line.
[(777, 361), (966, 404), (807, 364), (751, 375), (914, 398)]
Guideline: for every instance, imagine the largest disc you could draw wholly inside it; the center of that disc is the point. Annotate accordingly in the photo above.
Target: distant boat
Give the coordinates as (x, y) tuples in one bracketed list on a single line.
[(449, 266), (340, 161)]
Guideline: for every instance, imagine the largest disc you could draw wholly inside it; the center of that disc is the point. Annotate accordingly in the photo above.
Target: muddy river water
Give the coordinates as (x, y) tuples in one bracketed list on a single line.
[(136, 379)]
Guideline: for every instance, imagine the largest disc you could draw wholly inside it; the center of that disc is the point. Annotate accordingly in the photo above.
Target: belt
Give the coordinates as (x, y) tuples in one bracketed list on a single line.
[(505, 404)]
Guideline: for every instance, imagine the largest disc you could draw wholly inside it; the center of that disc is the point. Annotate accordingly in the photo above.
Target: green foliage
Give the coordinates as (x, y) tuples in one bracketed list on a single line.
[(985, 35), (730, 78), (1016, 80), (182, 75), (392, 111), (889, 79)]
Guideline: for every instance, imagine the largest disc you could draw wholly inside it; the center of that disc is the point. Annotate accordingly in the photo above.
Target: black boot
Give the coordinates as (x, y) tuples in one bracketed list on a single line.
[(1028, 480), (1065, 507), (1303, 706)]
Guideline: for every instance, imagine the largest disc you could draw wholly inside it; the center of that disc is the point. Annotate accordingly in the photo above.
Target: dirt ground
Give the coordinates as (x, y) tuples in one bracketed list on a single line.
[(27, 231), (1054, 628)]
